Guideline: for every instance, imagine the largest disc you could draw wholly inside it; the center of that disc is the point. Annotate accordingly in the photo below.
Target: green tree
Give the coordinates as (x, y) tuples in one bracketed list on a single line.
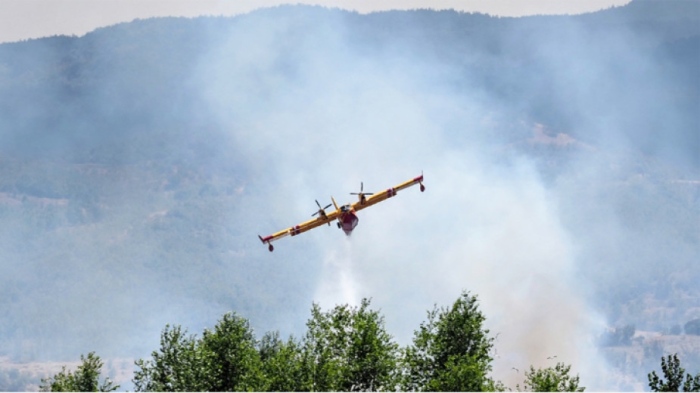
[(673, 372), (551, 379), (372, 354), (179, 365), (232, 348), (320, 361), (348, 349), (281, 363), (451, 351), (85, 379), (224, 359)]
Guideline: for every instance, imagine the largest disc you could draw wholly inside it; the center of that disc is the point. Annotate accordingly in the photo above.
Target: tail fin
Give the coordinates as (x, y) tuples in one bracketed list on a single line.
[(335, 204)]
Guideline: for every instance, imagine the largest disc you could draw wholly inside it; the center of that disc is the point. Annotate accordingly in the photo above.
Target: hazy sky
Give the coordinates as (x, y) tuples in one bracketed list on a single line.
[(23, 19)]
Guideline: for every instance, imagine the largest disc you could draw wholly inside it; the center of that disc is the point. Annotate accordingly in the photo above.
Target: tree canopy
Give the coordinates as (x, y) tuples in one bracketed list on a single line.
[(85, 379), (224, 359), (451, 350), (551, 379), (674, 373), (346, 348)]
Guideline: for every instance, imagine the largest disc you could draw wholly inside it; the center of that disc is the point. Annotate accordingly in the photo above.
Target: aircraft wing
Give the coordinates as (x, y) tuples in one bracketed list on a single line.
[(301, 228), (386, 194)]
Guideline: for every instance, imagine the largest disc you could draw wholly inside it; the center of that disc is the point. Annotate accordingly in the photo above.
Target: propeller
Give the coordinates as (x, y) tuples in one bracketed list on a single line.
[(361, 193), (321, 209)]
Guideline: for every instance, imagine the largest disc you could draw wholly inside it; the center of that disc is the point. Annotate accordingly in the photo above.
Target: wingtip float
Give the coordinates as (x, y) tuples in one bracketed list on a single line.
[(346, 215)]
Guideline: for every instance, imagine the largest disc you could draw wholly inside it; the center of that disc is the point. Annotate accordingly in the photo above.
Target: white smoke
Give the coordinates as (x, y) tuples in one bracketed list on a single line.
[(337, 117)]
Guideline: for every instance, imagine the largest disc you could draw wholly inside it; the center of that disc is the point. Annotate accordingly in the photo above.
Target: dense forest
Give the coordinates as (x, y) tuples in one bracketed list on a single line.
[(139, 162)]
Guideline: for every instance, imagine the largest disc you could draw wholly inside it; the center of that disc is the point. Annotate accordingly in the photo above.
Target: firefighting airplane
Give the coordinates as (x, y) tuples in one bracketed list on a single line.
[(346, 214)]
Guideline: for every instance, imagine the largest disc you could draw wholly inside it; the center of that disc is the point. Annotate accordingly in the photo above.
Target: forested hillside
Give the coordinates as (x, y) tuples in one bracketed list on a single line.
[(138, 164)]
